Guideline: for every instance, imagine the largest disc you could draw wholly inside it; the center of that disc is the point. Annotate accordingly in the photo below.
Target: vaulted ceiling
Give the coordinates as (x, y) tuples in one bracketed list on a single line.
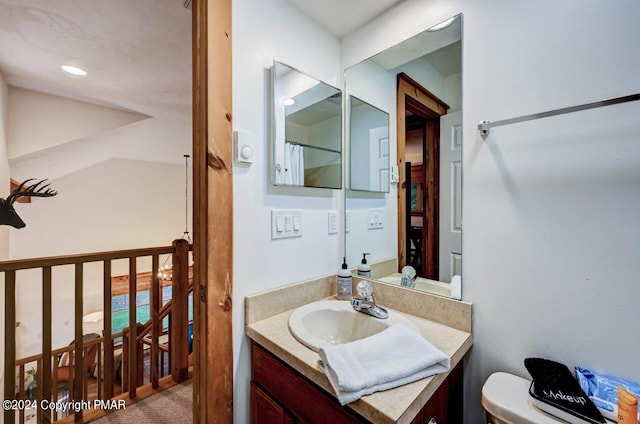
[(137, 55)]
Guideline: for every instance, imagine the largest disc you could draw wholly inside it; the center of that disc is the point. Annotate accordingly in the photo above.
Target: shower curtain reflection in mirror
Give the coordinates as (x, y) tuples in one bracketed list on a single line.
[(293, 164)]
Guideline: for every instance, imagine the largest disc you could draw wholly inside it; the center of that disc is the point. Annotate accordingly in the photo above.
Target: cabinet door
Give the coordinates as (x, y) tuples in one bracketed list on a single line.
[(265, 410), (435, 411)]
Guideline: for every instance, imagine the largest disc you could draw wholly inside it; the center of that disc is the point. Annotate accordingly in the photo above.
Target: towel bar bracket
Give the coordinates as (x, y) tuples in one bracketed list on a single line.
[(484, 127)]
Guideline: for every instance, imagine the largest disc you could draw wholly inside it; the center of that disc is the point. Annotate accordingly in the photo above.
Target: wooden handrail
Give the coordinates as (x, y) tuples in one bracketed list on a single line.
[(66, 349), (15, 265), (77, 375)]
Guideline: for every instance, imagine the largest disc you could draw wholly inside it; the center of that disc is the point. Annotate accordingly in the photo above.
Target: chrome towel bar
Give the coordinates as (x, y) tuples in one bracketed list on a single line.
[(485, 126)]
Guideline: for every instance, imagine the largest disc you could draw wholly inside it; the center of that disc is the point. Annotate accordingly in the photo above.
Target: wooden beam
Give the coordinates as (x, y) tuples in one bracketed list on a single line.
[(213, 211), (199, 55), (13, 186)]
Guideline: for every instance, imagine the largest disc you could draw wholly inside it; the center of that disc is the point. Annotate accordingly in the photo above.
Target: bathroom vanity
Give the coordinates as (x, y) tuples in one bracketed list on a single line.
[(287, 385), (279, 394)]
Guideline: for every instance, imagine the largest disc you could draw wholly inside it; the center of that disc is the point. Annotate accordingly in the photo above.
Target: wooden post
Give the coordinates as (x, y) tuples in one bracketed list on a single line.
[(213, 211), (180, 312)]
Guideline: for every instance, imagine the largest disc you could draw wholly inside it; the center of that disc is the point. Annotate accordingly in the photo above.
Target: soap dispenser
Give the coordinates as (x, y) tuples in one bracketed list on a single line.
[(344, 281), (364, 270)]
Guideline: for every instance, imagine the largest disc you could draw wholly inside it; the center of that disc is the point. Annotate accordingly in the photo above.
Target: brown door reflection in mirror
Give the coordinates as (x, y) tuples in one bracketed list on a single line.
[(418, 127)]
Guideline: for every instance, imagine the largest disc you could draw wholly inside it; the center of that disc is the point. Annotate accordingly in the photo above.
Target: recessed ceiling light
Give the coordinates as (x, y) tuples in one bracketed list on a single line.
[(289, 102), (443, 25), (74, 70)]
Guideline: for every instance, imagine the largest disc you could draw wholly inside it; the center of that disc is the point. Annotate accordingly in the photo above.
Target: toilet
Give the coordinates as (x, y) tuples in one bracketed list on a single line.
[(506, 399)]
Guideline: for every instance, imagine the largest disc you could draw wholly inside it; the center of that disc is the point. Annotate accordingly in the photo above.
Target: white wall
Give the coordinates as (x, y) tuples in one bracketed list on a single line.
[(118, 204), (550, 208), (551, 229), (4, 191), (45, 130), (39, 121), (4, 162), (265, 30)]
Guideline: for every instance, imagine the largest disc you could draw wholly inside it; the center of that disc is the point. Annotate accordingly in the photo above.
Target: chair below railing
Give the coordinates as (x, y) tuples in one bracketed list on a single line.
[(109, 364)]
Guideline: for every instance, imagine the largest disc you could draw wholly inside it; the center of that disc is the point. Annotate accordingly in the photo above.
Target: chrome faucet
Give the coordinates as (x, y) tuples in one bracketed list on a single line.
[(366, 302), (409, 276)]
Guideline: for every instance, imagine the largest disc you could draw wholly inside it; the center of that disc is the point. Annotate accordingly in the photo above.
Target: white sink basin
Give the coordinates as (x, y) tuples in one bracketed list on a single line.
[(331, 322)]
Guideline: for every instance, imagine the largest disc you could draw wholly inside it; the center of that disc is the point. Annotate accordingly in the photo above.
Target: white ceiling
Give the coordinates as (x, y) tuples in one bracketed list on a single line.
[(138, 58), (137, 55), (340, 17)]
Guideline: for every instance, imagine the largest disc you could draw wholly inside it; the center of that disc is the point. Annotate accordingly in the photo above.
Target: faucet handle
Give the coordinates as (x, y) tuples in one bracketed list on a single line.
[(365, 290)]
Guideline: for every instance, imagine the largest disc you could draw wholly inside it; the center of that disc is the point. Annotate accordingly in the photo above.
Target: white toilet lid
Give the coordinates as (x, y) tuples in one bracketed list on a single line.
[(506, 396)]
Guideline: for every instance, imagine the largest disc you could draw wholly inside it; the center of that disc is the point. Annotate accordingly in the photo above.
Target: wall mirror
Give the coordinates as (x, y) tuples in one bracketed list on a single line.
[(307, 135), (418, 222), (368, 135)]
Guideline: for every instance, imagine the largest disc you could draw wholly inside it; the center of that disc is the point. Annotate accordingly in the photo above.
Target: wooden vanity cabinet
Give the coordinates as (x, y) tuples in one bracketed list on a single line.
[(279, 394)]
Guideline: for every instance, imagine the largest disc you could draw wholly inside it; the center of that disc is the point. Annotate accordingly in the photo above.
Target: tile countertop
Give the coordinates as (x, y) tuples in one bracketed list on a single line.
[(398, 405)]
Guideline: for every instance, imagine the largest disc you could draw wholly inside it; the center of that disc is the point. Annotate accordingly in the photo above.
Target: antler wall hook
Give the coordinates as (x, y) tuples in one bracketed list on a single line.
[(8, 215)]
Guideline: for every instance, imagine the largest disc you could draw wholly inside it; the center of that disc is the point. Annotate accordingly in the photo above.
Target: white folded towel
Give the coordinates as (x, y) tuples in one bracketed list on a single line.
[(391, 358)]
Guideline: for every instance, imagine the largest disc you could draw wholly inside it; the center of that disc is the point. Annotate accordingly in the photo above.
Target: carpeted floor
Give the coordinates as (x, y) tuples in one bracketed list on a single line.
[(173, 406)]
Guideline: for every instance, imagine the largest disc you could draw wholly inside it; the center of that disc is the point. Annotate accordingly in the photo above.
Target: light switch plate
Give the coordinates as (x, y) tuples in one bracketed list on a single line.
[(333, 222), (347, 221), (244, 148), (394, 175), (286, 223), (375, 219)]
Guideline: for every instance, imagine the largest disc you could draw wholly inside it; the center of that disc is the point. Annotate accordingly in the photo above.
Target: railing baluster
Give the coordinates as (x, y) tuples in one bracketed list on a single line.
[(99, 372), (132, 359), (9, 342), (21, 393), (54, 384), (180, 312), (108, 372), (78, 355), (45, 372), (155, 321), (39, 389)]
